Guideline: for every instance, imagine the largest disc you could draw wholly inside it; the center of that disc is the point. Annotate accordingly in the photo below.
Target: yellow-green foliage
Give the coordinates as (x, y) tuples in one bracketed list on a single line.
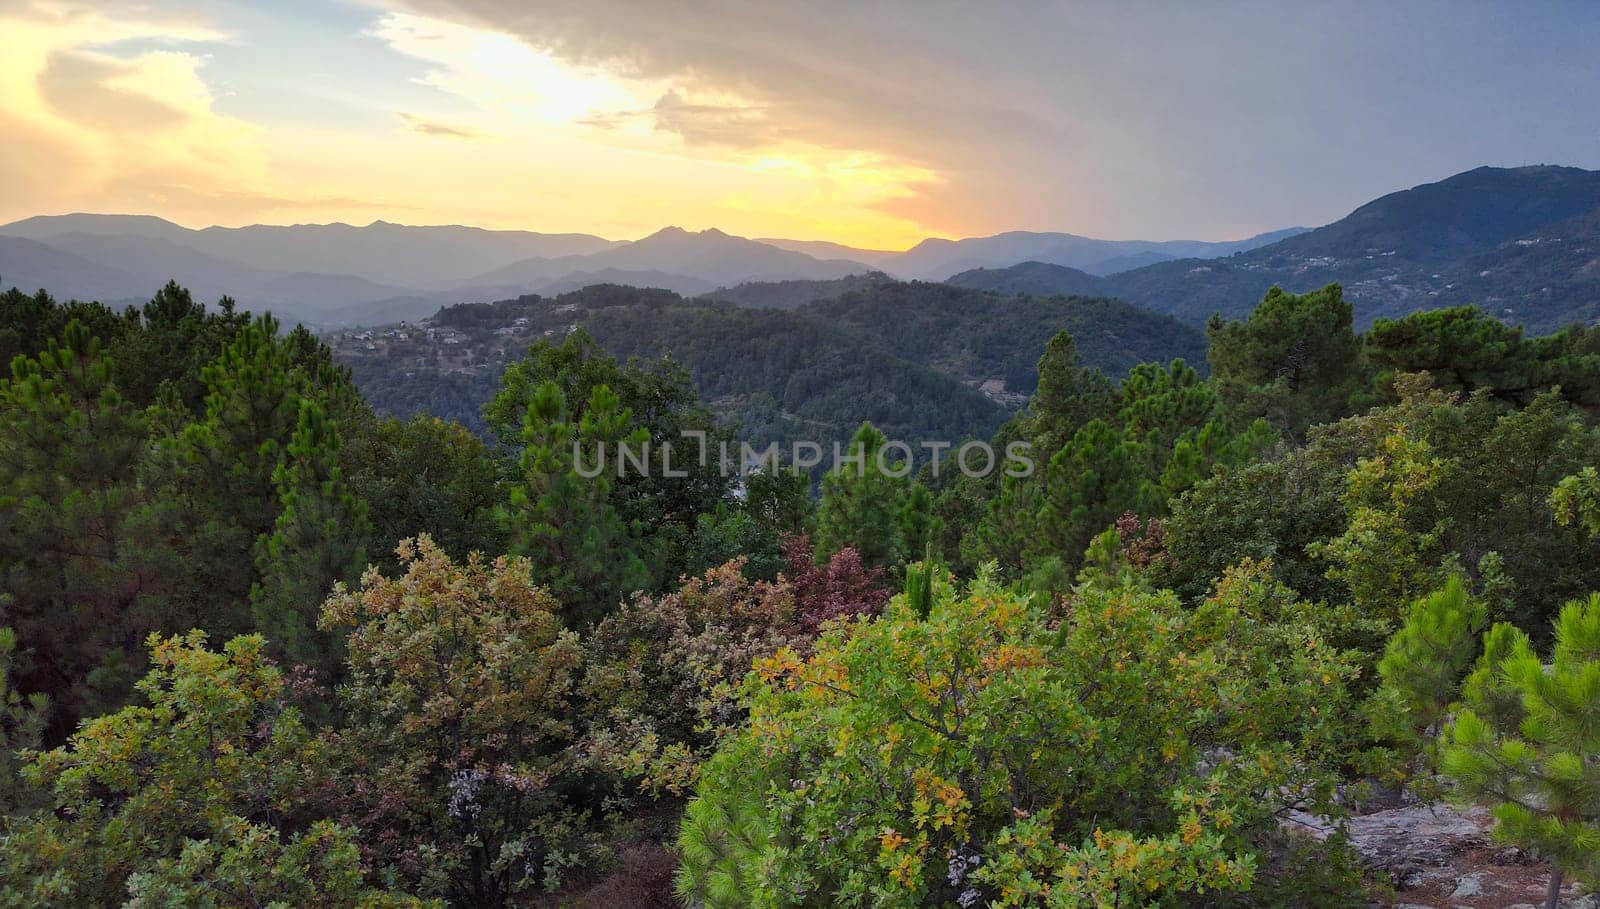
[(1121, 752), (462, 750), (186, 800), (1577, 500)]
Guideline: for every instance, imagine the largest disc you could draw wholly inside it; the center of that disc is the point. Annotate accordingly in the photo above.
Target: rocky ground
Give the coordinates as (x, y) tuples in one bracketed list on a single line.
[(1436, 857)]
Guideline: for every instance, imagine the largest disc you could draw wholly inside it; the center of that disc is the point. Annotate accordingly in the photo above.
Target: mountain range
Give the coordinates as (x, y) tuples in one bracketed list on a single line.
[(338, 274), (1522, 243)]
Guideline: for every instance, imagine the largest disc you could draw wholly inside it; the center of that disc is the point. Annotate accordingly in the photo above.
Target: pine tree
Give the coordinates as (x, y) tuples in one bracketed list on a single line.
[(1527, 743), (563, 521), (319, 539), (422, 475), (1294, 361), (1524, 737), (1003, 532), (1466, 349), (256, 479), (1173, 424), (863, 507), (1425, 661), (172, 338), (919, 527), (1069, 395), (778, 498), (70, 558), (1087, 485), (22, 720), (663, 503), (252, 408)]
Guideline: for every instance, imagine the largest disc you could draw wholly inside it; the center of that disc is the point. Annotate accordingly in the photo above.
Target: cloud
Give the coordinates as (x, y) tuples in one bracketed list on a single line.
[(1121, 119), (427, 127), (730, 123), (140, 108), (739, 125), (853, 76), (503, 83), (871, 123), (107, 106), (85, 89), (504, 79)]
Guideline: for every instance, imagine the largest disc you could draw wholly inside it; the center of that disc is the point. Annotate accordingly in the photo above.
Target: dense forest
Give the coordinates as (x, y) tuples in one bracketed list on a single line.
[(266, 647), (916, 359)]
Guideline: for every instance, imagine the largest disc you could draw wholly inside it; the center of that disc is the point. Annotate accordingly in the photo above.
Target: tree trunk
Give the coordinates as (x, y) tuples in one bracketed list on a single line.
[(1552, 896)]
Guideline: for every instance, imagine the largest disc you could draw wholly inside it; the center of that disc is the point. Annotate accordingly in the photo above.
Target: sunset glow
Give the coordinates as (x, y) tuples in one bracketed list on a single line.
[(864, 126)]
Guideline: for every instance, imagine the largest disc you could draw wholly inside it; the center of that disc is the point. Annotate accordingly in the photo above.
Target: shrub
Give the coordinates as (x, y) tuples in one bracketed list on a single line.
[(662, 671), (839, 587), (461, 757), (186, 800), (988, 753)]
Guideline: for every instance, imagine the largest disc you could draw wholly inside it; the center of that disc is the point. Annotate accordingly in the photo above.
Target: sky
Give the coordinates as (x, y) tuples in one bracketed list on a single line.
[(870, 123)]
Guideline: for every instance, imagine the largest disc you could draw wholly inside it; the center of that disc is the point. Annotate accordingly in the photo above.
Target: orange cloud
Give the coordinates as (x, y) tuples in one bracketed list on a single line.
[(111, 110)]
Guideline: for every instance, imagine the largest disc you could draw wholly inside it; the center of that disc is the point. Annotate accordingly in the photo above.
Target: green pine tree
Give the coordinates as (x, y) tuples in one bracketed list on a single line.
[(1424, 663), (1087, 485), (1519, 735), (1294, 362), (22, 721), (1527, 743), (319, 539), (564, 521), (71, 560), (865, 507), (1068, 396)]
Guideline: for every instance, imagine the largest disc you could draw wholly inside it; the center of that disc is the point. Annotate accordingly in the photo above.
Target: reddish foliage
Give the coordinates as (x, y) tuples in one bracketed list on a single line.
[(840, 587), (1142, 546)]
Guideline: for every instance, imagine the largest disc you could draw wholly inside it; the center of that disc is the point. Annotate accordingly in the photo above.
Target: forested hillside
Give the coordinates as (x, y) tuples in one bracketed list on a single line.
[(794, 294), (916, 359), (1037, 278), (776, 374), (1520, 242), (983, 337), (264, 647)]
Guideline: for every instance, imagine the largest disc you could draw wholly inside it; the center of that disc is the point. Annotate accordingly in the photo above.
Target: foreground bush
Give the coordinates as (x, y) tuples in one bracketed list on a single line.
[(461, 756), (1517, 735), (185, 801), (662, 671), (989, 754)]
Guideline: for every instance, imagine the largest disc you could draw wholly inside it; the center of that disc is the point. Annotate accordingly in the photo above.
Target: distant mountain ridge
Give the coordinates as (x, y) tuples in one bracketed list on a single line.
[(330, 274), (1522, 242), (936, 259), (707, 256), (381, 252)]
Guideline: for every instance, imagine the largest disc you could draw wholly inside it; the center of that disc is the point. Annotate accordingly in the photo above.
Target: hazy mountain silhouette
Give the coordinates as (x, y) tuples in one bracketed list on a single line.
[(1512, 239), (1520, 241)]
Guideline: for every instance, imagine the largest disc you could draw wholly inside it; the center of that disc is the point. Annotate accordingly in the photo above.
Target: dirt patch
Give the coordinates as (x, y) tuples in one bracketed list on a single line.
[(641, 879)]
